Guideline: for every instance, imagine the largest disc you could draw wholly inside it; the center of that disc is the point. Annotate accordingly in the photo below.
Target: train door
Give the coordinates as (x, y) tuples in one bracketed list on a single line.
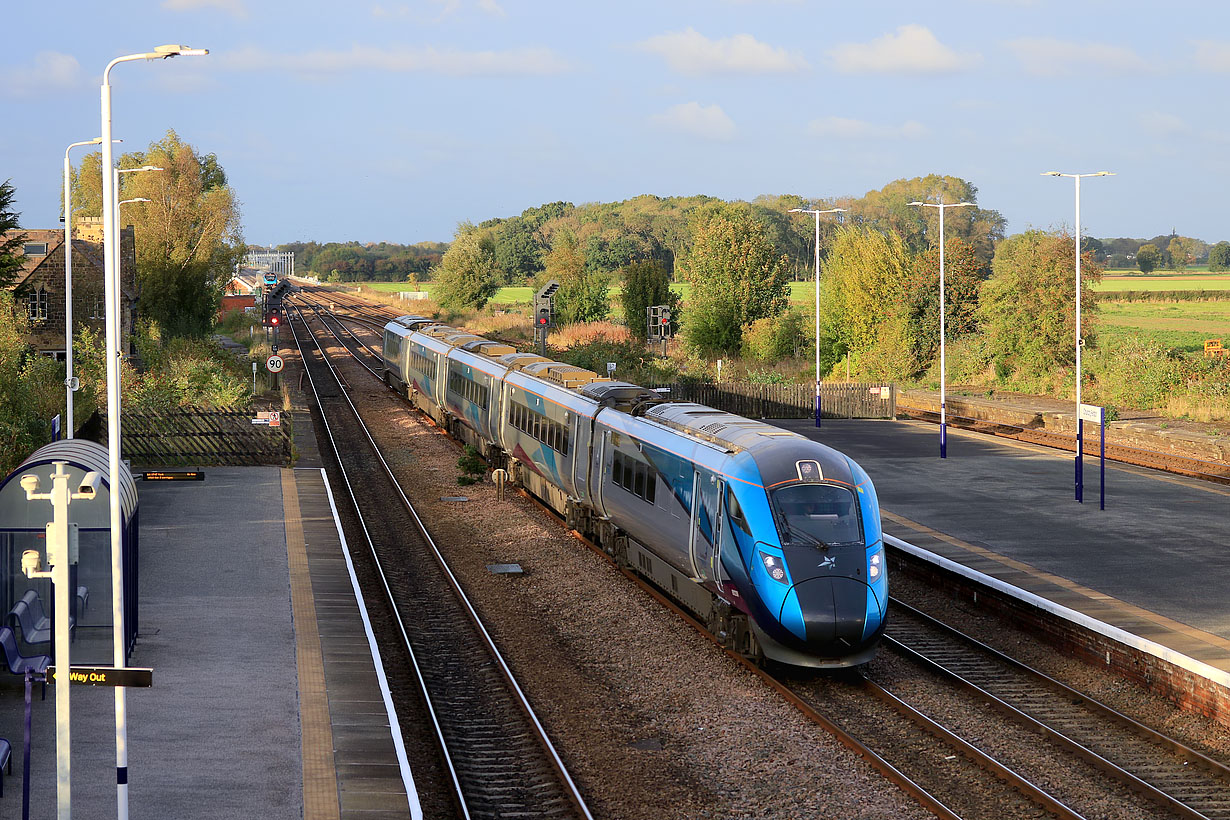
[(705, 535)]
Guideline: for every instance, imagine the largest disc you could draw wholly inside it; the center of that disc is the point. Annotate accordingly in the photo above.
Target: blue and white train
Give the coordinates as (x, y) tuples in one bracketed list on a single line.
[(770, 539)]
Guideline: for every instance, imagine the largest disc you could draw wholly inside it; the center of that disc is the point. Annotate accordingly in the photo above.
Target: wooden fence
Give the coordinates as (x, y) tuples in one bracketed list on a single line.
[(192, 437), (790, 401)]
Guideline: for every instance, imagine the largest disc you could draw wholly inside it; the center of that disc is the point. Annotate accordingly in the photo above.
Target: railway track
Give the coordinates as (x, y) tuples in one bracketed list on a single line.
[(948, 773), (496, 751), (1178, 778), (1136, 456)]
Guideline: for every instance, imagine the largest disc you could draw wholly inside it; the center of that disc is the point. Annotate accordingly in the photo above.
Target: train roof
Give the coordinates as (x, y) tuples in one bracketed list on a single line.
[(733, 433)]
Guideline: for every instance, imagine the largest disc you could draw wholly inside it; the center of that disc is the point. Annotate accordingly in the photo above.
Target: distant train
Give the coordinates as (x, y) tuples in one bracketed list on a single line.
[(270, 278), (770, 539)]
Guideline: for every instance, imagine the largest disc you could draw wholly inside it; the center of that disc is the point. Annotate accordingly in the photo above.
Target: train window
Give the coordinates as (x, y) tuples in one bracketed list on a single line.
[(617, 469), (638, 486), (651, 486), (818, 514), (423, 364), (736, 512)]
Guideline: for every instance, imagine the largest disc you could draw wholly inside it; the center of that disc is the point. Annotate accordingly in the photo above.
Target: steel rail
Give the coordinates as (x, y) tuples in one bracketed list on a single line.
[(401, 624), (1132, 780), (540, 731), (323, 315)]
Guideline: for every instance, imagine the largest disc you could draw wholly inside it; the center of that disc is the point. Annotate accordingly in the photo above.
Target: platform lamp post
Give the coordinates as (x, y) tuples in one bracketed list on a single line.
[(817, 214), (110, 239), (941, 207), (70, 384), (1080, 342)]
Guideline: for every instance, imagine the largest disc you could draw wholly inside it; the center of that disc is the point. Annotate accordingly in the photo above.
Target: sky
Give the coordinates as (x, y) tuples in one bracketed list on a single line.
[(396, 120)]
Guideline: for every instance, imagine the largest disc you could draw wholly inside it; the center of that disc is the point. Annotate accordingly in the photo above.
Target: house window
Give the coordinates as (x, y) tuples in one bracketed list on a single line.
[(35, 249), (99, 311), (36, 305)]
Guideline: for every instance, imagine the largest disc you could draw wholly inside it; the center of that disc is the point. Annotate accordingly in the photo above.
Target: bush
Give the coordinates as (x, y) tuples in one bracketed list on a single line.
[(775, 337)]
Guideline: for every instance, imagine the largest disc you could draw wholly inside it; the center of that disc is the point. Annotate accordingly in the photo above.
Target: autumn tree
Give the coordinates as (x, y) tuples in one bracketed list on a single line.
[(863, 301), (583, 295), (889, 210), (11, 238), (1219, 256), (1027, 307), (1148, 258), (736, 275), (188, 236), (1184, 250), (963, 275), (468, 275), (646, 284)]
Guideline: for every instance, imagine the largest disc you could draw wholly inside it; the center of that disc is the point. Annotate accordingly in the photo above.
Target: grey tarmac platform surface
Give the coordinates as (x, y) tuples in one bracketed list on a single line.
[(245, 678), (1161, 544)]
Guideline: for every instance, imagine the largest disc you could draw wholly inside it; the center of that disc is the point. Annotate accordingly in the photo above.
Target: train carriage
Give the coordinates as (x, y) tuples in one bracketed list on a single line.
[(547, 430), (425, 363), (473, 393), (771, 539)]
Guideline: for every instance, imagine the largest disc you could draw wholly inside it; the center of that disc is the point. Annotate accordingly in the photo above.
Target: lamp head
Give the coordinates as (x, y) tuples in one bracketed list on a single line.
[(1051, 174), (917, 203), (177, 51), (29, 483)]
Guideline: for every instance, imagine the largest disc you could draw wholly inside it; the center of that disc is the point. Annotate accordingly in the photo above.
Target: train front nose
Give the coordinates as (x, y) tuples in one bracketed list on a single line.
[(835, 612)]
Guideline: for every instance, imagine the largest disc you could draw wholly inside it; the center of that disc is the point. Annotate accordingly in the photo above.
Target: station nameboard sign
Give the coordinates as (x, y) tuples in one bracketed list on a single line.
[(1091, 412), (106, 676)]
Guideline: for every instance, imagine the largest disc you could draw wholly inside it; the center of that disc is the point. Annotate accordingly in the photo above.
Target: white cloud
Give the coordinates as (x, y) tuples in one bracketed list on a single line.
[(1163, 125), (234, 7), (51, 71), (696, 120), (690, 52), (844, 128), (429, 60), (912, 50), (1049, 57), (1213, 55)]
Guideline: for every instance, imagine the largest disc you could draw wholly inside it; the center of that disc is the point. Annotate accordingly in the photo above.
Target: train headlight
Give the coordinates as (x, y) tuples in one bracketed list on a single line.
[(875, 564), (774, 566)]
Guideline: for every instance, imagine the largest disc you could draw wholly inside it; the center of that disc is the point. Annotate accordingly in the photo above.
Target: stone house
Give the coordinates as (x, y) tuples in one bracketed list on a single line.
[(39, 286)]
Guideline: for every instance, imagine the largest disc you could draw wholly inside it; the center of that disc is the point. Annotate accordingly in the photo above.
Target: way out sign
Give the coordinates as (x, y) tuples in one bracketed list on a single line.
[(274, 363), (105, 676)]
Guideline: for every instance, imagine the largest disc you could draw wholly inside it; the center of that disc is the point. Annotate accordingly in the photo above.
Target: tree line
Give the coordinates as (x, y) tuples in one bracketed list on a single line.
[(374, 261)]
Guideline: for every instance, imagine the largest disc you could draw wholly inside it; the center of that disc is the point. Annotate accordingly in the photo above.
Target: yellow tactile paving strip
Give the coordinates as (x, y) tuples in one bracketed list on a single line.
[(1204, 646), (320, 795)]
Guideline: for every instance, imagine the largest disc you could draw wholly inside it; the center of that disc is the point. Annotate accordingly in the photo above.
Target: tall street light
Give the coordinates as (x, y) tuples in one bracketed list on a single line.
[(111, 294), (69, 382), (941, 207), (1080, 342), (817, 213)]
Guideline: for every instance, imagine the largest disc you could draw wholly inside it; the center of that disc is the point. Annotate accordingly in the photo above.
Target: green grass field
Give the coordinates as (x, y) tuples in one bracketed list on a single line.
[(1173, 281), (1182, 325)]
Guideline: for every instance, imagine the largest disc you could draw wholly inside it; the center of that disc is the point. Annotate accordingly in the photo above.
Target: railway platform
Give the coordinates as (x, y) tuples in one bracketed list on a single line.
[(1150, 566), (266, 700)]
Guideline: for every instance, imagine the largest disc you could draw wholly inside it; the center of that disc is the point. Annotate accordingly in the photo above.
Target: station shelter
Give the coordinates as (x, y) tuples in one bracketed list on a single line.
[(23, 527)]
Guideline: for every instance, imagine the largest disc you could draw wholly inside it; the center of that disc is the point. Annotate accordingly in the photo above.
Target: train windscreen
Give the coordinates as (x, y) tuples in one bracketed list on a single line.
[(818, 514)]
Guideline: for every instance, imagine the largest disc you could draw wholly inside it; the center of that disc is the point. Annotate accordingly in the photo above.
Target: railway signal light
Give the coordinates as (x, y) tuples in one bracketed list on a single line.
[(544, 316)]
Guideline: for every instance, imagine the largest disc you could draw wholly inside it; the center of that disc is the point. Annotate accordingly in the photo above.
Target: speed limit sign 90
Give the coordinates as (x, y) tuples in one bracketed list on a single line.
[(274, 363)]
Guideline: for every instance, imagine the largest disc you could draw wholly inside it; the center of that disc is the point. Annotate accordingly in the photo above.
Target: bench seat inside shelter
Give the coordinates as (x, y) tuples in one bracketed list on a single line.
[(36, 627)]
